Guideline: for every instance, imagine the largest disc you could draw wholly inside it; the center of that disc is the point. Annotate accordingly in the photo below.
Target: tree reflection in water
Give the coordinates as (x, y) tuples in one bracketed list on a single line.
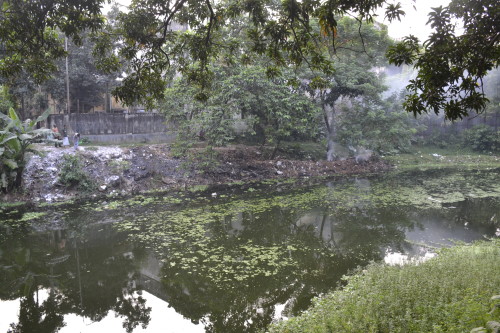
[(81, 275), (234, 274), (232, 265)]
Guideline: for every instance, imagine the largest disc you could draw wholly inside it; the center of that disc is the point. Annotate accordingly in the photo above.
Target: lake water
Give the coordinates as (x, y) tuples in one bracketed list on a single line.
[(225, 261)]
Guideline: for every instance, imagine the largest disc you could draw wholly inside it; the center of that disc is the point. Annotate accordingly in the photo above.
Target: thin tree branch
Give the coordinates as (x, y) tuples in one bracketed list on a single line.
[(210, 23)]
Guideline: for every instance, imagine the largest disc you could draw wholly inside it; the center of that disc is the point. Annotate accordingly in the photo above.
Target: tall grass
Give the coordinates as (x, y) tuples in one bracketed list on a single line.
[(449, 293)]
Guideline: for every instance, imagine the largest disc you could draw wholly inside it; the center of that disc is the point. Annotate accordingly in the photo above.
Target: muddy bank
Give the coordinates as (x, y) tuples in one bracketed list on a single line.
[(129, 170)]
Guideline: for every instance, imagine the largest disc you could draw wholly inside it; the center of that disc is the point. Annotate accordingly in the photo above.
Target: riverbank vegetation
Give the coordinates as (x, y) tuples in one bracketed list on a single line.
[(453, 292), (428, 157)]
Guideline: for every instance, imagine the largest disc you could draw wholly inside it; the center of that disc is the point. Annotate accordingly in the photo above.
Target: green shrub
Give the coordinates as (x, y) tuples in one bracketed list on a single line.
[(482, 138), (442, 139), (73, 175), (85, 140), (385, 129), (205, 160), (117, 166), (450, 293), (5, 100)]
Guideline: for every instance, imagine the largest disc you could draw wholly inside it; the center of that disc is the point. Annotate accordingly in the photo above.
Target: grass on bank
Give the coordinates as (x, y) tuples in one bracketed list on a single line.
[(427, 157), (449, 293)]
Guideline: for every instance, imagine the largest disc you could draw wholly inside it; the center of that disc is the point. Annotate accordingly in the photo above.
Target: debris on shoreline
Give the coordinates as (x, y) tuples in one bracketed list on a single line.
[(128, 170)]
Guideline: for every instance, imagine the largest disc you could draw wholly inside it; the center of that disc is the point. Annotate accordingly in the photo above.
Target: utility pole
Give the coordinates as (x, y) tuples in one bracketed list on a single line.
[(67, 75)]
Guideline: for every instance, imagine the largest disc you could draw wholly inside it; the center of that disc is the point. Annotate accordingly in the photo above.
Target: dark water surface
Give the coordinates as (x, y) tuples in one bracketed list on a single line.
[(225, 262)]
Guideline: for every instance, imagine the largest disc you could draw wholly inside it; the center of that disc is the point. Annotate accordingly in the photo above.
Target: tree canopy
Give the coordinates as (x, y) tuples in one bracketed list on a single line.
[(154, 36), (190, 35), (452, 63), (29, 38)]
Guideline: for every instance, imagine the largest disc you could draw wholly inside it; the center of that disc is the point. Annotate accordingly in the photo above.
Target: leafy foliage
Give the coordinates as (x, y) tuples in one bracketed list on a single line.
[(16, 137), (359, 50), (451, 65), (87, 84), (5, 100), (450, 293), (72, 173), (154, 36), (271, 109), (29, 33), (190, 35), (482, 138), (383, 127)]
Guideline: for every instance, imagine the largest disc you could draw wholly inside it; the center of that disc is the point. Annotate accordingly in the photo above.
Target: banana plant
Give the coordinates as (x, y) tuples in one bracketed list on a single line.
[(16, 138)]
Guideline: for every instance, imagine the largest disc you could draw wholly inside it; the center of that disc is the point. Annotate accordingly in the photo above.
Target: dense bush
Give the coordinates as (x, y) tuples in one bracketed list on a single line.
[(383, 126), (441, 139), (72, 174), (450, 293), (482, 138)]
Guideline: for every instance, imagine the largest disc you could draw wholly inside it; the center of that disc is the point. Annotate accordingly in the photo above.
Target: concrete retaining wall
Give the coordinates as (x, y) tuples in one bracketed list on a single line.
[(115, 128)]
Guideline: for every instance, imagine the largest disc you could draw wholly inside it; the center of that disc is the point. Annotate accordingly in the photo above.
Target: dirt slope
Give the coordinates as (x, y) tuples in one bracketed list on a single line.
[(143, 168)]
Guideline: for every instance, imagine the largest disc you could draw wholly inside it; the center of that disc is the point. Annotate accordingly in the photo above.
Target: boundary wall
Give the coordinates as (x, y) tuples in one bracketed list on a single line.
[(115, 128)]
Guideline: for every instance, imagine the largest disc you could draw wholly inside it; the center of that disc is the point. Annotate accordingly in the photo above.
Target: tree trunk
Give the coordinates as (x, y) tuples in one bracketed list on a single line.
[(330, 148), (19, 178), (329, 117), (275, 151), (23, 113)]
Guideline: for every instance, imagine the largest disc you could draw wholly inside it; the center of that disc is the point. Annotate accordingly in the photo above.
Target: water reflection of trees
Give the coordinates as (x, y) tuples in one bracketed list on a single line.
[(75, 271), (322, 243), (36, 317), (265, 258), (483, 212)]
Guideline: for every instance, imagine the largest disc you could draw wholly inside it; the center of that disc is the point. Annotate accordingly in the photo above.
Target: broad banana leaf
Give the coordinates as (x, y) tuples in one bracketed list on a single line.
[(42, 117), (13, 115), (14, 145), (10, 123), (24, 137), (8, 138), (34, 152), (40, 132), (10, 163)]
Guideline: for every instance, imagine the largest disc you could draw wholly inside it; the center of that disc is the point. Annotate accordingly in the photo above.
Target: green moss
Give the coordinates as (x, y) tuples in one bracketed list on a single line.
[(8, 205), (57, 203), (31, 216)]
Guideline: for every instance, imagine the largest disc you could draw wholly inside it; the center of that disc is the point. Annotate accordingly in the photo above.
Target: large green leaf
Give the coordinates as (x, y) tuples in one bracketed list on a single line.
[(10, 163), (25, 137), (42, 117), (15, 138), (7, 138), (13, 115), (14, 144)]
